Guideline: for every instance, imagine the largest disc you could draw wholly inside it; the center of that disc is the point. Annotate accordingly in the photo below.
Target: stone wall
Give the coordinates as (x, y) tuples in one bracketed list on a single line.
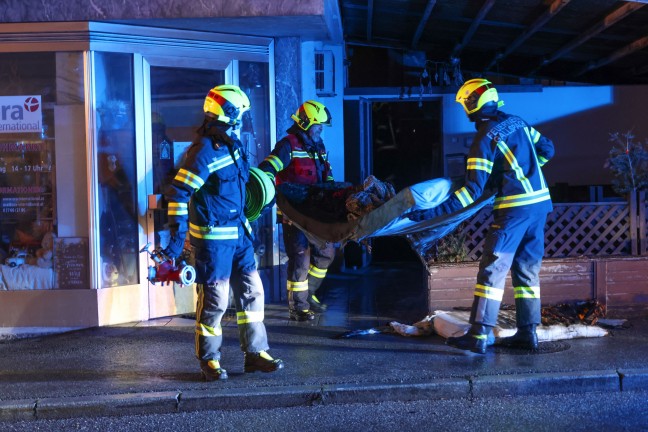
[(86, 10), (288, 91)]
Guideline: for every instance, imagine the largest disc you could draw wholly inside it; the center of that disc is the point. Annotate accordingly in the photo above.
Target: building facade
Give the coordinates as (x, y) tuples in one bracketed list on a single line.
[(97, 109)]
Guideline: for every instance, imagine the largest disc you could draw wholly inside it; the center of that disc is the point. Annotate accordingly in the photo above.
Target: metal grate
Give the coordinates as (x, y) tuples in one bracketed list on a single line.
[(548, 347)]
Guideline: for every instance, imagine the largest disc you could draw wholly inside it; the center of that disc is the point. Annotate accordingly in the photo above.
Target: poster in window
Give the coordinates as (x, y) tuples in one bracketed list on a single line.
[(71, 262)]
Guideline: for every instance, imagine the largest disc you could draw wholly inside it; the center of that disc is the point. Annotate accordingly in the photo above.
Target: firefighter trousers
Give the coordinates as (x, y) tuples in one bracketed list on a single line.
[(514, 243), (217, 267), (307, 266)]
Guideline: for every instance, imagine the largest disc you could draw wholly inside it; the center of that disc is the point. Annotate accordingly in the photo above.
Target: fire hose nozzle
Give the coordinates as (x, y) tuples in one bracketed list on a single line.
[(167, 270)]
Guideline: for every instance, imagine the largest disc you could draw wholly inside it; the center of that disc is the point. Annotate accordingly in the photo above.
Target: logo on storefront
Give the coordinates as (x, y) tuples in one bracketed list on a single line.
[(20, 114), (32, 104)]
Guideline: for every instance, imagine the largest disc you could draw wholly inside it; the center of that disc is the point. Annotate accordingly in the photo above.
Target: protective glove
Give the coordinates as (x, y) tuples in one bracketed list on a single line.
[(419, 215), (176, 244)]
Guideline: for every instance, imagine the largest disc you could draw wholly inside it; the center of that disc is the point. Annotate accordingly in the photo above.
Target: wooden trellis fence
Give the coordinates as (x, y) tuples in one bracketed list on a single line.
[(599, 229)]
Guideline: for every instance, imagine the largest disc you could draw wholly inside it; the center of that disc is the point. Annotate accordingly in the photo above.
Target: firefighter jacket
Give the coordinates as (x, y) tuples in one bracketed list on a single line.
[(296, 159), (207, 195), (507, 155)]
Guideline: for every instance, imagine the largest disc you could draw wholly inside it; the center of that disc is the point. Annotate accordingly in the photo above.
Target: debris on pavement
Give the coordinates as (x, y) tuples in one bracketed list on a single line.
[(425, 327), (563, 321), (586, 312), (613, 323), (370, 331)]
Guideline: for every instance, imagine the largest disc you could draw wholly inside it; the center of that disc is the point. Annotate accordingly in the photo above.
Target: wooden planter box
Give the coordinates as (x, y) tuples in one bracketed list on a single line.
[(621, 284)]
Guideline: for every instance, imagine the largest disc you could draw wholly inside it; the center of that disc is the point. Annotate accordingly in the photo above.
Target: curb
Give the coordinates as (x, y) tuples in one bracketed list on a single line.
[(546, 383), (633, 379), (309, 395)]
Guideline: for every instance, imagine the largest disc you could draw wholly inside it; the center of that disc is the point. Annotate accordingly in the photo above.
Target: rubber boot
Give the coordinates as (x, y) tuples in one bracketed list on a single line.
[(299, 315), (295, 314), (475, 340), (525, 338), (261, 361), (211, 371), (314, 282), (316, 305)]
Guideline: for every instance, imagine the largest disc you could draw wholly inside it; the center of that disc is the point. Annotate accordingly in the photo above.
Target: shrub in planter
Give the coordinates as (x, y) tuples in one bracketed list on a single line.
[(628, 161)]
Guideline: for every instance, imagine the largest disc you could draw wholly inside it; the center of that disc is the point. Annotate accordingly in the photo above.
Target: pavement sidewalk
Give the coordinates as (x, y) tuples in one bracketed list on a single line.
[(144, 368)]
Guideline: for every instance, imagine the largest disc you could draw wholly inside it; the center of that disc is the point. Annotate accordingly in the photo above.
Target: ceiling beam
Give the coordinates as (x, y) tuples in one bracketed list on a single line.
[(423, 22), (632, 47), (379, 43), (488, 4), (370, 20), (607, 22), (553, 9)]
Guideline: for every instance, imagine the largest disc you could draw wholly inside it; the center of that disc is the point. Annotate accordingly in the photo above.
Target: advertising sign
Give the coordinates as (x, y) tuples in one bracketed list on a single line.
[(26, 180), (20, 114), (71, 262)]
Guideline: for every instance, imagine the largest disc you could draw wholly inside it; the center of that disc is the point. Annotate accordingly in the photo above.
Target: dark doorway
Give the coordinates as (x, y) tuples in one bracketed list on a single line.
[(407, 149), (407, 146)]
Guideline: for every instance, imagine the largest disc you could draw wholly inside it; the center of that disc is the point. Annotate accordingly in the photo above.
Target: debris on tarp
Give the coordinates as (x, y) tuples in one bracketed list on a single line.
[(320, 211), (338, 201), (373, 194), (324, 201)]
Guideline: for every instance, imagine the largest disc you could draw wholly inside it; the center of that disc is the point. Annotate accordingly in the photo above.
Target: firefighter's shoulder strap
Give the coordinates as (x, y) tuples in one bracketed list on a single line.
[(294, 141)]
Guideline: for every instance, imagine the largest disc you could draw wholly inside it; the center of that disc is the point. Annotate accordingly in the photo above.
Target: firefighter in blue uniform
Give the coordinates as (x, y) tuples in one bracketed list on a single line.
[(207, 199), (506, 154), (301, 157)]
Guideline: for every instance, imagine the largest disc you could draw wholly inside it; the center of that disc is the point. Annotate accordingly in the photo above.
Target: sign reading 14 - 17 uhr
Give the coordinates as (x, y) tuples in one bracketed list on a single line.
[(20, 114)]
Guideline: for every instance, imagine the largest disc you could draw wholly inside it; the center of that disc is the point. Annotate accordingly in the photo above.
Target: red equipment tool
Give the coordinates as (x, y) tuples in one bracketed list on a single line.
[(166, 269)]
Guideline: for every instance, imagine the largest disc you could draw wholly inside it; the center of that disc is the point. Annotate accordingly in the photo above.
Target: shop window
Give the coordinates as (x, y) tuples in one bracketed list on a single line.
[(116, 159), (37, 91)]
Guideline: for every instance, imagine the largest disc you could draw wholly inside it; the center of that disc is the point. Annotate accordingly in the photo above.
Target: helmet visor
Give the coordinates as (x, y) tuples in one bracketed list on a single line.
[(324, 121), (472, 101)]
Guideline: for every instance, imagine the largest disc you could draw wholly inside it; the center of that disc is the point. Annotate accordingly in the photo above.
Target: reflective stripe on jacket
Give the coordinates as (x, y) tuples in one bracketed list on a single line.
[(291, 162), (506, 154), (207, 195)]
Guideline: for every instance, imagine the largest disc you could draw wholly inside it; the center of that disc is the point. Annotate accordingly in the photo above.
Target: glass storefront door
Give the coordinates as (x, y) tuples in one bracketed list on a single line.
[(177, 95)]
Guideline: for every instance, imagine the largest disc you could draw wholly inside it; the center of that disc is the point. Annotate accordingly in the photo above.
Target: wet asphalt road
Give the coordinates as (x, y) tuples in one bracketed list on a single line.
[(590, 412)]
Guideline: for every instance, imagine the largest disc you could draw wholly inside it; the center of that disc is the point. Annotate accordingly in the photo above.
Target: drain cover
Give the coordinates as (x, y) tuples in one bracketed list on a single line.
[(543, 348)]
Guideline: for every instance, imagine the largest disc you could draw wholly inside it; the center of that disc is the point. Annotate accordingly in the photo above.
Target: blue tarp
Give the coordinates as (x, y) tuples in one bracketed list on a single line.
[(389, 219)]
